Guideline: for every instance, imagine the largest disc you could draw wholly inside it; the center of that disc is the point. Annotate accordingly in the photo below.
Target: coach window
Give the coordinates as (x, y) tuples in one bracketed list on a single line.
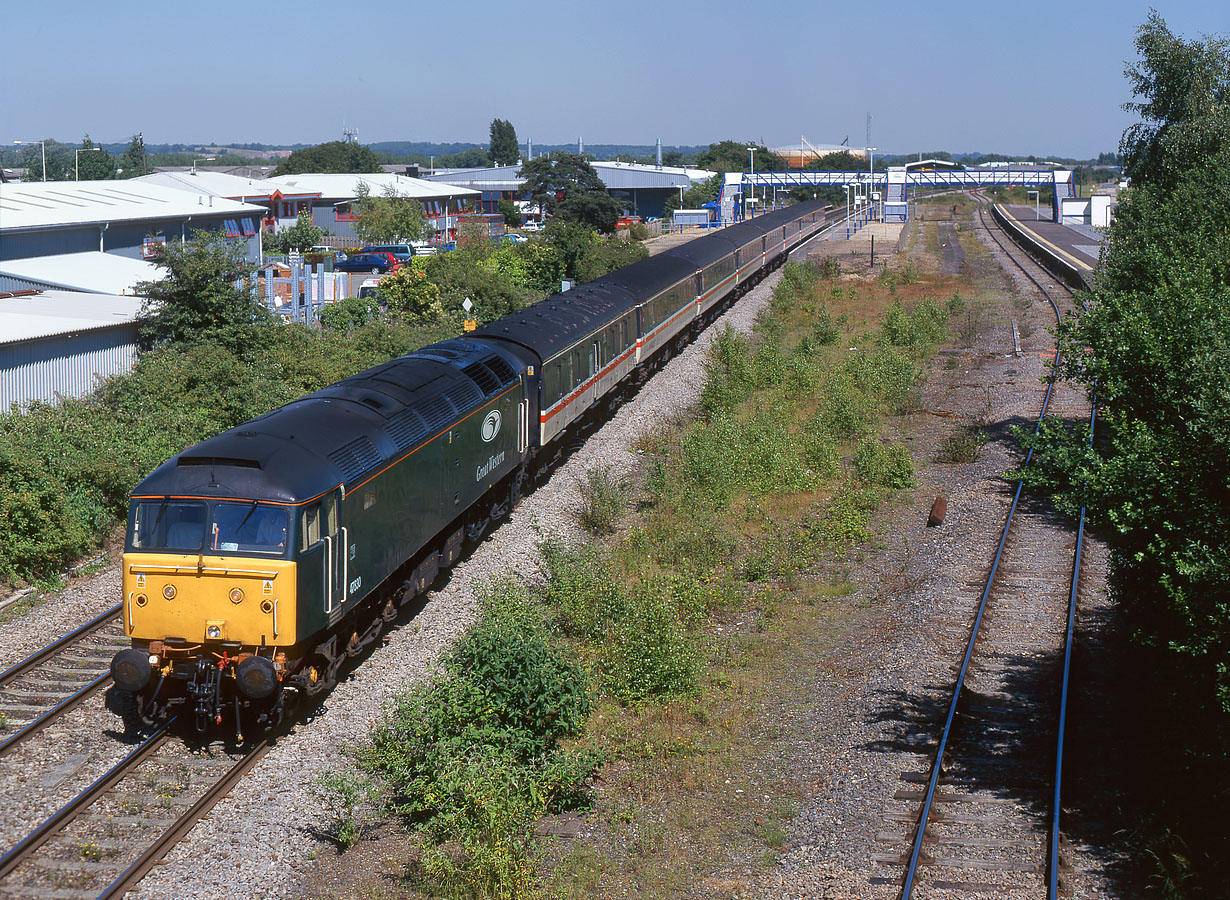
[(580, 371)]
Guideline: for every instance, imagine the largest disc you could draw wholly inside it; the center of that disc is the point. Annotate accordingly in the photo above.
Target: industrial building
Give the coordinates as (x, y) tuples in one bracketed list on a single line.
[(334, 196), (57, 344), (101, 236), (642, 189)]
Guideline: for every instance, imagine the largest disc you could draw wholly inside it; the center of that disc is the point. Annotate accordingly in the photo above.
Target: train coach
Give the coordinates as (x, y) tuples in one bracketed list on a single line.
[(259, 560)]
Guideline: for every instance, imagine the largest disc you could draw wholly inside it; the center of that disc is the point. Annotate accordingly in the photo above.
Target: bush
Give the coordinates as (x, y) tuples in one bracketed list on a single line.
[(472, 756), (884, 465)]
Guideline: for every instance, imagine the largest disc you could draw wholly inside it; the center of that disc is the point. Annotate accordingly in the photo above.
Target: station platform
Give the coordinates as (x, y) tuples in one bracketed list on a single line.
[(1080, 245)]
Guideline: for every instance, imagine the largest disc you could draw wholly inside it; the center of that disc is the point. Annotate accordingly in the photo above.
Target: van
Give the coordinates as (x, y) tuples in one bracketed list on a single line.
[(403, 252)]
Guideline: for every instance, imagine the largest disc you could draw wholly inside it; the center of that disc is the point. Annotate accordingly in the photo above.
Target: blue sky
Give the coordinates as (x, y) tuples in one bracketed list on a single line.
[(1038, 78)]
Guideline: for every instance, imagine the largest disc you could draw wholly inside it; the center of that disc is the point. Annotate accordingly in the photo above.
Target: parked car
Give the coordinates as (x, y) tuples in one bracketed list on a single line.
[(515, 238), (531, 226), (403, 252), (627, 221), (376, 263)]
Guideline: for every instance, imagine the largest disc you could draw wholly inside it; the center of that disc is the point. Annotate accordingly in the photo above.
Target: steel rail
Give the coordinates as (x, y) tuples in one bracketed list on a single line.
[(34, 659), (54, 712), (65, 814), (173, 835), (946, 733)]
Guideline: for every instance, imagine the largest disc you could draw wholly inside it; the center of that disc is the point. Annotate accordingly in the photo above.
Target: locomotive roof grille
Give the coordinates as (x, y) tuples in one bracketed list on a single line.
[(355, 458), (406, 429), (218, 461), (437, 412), (501, 368), (486, 380)]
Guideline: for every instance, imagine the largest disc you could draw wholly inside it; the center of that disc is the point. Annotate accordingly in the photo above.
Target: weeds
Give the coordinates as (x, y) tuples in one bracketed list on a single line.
[(962, 445), (346, 798), (603, 499)]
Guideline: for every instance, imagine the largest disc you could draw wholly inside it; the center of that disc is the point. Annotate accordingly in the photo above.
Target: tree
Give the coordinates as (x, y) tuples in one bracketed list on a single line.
[(334, 156), (388, 218), (504, 149), (696, 196), (567, 185), (734, 156), (94, 164), (1153, 345), (407, 291), (300, 236), (59, 161), (511, 213), (132, 161), (204, 297)]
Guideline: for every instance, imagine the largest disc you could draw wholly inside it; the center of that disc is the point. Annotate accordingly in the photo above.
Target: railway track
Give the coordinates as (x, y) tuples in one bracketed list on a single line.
[(104, 840), (985, 816), (49, 683)]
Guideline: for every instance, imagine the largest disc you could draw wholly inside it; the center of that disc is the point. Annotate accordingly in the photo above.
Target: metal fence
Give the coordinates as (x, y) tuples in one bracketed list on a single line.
[(299, 291)]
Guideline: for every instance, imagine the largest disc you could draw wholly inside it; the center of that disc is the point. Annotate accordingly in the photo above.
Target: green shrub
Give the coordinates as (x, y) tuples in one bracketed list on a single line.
[(648, 652), (962, 445), (471, 757), (826, 328), (883, 465), (346, 797)]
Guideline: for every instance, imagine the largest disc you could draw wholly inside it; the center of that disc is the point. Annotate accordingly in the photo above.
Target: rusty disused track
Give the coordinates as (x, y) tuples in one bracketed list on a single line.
[(988, 815), (49, 683), (104, 840)]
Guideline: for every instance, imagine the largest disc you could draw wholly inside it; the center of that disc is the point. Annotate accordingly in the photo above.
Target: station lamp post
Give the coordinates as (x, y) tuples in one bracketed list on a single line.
[(752, 174), (1037, 214), (42, 144), (77, 161)]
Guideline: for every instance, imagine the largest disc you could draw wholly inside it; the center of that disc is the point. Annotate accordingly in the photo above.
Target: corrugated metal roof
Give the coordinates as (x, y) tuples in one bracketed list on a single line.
[(615, 175), (345, 187), (91, 271), (47, 204), (58, 312), (220, 184)]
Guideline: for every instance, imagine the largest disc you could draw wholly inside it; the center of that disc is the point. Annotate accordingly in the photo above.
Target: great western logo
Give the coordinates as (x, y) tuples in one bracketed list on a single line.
[(491, 425), (490, 466)]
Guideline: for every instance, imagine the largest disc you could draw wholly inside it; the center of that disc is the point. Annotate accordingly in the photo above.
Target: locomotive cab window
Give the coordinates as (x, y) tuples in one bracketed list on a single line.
[(167, 525), (248, 528), (316, 521)]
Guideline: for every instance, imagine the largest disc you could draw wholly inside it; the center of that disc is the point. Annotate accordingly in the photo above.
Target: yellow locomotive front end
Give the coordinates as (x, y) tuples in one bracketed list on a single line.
[(209, 589)]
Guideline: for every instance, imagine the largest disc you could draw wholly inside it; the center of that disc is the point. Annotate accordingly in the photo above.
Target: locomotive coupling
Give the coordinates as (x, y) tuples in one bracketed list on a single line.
[(131, 669)]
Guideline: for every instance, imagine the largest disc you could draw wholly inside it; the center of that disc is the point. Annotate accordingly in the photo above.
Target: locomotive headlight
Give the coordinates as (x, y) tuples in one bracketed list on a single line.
[(169, 592), (213, 631), (141, 599), (236, 595)]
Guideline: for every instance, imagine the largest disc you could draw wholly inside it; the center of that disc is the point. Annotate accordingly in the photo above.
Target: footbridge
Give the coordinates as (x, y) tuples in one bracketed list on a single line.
[(886, 195)]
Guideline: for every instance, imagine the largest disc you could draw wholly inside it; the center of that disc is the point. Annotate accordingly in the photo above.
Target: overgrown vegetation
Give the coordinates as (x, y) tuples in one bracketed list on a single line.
[(786, 420), (473, 757), (66, 469)]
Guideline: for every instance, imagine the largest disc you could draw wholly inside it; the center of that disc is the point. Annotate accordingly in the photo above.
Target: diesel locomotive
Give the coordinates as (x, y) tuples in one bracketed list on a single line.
[(259, 560)]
